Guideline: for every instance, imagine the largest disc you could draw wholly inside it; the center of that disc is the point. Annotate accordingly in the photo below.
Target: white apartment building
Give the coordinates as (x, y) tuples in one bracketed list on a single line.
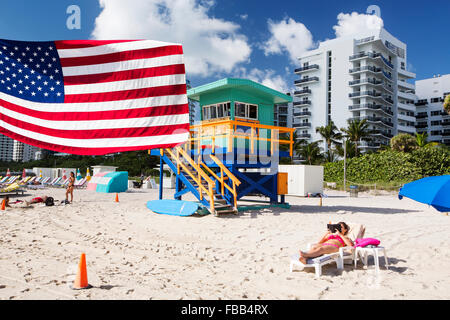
[(430, 114), (356, 77), (13, 150), (6, 148), (282, 114)]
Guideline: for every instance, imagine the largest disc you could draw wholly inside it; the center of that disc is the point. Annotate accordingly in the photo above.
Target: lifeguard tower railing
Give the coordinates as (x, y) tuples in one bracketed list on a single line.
[(227, 134)]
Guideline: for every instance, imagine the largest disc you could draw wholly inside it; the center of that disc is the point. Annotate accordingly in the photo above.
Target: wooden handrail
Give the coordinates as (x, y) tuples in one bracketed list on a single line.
[(225, 169), (218, 178), (198, 181), (210, 130), (196, 166)]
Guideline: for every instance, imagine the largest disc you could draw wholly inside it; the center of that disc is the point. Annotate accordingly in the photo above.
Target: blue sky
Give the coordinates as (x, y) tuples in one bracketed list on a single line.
[(239, 27)]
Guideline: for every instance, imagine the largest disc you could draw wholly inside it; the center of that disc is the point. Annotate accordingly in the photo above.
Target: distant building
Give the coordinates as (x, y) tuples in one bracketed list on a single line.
[(13, 150), (362, 76), (430, 114), (282, 115)]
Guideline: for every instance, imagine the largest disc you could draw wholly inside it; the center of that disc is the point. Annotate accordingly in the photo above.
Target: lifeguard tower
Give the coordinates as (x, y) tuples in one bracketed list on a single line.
[(234, 151)]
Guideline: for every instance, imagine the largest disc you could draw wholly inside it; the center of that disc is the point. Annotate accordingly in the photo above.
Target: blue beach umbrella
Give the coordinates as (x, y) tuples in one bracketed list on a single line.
[(434, 191)]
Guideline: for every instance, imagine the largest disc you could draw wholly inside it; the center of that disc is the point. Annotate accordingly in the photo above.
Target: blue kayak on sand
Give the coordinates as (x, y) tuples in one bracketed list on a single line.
[(173, 207)]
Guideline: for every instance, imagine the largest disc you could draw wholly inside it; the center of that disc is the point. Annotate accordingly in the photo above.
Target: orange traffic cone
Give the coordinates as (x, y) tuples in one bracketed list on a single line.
[(3, 204), (117, 197), (81, 281)]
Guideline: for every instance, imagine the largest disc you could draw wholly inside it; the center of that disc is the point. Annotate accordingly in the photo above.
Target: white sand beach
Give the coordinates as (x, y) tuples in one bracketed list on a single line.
[(133, 253)]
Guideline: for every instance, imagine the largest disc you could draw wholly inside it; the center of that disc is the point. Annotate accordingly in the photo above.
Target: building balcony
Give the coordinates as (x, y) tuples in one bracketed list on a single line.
[(406, 95), (369, 145), (407, 129), (306, 80), (406, 85), (421, 125), (359, 94), (301, 125), (445, 133), (371, 55), (384, 134), (365, 69), (405, 117), (302, 114), (359, 82), (422, 102), (422, 115), (307, 68), (304, 135), (373, 107), (406, 74), (387, 75), (445, 123), (384, 121), (302, 103), (303, 92), (406, 106), (387, 99)]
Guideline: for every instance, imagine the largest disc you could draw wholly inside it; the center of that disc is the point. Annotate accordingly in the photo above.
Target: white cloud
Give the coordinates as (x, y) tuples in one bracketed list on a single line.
[(288, 36), (210, 45), (244, 16), (349, 24), (267, 77)]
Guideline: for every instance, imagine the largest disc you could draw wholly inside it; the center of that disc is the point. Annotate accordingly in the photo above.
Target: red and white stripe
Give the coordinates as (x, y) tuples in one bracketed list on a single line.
[(119, 96)]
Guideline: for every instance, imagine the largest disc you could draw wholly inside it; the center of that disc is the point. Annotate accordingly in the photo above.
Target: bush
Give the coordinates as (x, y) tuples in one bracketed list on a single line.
[(403, 142), (391, 166), (434, 161)]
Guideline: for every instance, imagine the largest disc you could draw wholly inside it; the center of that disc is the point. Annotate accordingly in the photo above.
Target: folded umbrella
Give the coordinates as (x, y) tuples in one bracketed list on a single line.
[(434, 191)]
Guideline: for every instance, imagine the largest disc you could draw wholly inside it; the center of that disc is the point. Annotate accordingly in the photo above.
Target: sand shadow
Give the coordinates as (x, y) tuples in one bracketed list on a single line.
[(107, 287), (308, 209)]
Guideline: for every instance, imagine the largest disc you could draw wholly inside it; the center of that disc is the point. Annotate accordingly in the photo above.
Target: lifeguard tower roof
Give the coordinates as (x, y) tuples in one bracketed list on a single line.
[(252, 87)]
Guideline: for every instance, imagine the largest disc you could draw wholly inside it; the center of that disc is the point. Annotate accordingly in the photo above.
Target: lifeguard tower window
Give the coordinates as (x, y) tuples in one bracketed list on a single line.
[(214, 111), (245, 110)]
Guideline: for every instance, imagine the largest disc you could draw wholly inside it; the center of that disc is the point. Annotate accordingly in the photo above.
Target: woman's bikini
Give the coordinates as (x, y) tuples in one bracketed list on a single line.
[(334, 237)]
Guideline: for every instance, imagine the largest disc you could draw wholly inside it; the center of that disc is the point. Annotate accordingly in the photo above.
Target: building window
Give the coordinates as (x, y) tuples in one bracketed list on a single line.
[(215, 111), (245, 110)]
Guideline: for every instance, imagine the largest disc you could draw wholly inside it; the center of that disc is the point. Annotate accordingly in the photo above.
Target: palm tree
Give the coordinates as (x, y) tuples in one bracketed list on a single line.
[(311, 152), (357, 129), (447, 104), (350, 149), (421, 140), (330, 133)]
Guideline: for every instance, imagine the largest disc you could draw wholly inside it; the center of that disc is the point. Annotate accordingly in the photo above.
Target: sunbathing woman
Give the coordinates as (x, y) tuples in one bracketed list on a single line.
[(330, 242)]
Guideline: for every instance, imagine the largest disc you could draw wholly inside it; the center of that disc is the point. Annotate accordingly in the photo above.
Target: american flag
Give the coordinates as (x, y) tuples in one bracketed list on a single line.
[(92, 97)]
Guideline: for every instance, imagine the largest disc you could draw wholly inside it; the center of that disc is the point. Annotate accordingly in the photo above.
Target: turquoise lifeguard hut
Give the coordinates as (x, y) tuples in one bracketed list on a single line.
[(234, 151)]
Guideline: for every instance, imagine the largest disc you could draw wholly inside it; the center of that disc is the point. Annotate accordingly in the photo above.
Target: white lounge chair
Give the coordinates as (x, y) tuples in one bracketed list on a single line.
[(80, 183), (345, 254)]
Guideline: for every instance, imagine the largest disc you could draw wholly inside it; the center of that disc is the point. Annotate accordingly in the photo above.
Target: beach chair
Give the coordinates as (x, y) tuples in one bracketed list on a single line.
[(46, 180), (348, 254), (62, 182), (344, 255), (80, 183), (12, 187), (4, 179), (58, 180), (30, 181), (24, 181)]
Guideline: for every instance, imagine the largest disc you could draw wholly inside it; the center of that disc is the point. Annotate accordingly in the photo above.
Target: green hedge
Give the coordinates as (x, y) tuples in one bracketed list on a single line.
[(389, 166)]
